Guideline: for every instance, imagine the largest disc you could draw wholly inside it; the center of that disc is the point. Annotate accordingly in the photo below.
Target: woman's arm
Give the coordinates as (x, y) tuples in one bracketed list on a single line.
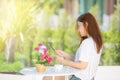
[(68, 56), (79, 65), (65, 55)]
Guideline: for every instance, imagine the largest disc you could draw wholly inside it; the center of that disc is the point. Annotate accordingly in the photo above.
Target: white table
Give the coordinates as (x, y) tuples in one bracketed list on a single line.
[(50, 71)]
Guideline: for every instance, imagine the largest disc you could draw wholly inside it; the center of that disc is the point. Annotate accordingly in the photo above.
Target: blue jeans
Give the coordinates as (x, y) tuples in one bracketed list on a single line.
[(74, 78)]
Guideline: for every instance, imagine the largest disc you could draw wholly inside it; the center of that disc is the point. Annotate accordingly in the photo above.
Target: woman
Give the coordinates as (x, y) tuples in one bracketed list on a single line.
[(87, 57)]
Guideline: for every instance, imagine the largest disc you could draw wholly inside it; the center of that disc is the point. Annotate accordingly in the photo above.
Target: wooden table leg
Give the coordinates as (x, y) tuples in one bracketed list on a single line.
[(53, 77), (66, 77)]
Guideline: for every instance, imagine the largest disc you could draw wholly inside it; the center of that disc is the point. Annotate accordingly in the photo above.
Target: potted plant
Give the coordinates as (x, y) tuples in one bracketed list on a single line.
[(41, 57)]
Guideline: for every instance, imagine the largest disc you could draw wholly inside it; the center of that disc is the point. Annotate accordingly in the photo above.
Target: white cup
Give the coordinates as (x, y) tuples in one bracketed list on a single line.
[(58, 67)]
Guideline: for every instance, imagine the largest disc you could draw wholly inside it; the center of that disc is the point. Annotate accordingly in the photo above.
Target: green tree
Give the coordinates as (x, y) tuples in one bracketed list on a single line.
[(112, 51), (16, 23)]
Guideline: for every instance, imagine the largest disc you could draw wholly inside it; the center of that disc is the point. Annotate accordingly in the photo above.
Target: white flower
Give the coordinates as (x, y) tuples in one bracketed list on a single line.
[(41, 51), (43, 46)]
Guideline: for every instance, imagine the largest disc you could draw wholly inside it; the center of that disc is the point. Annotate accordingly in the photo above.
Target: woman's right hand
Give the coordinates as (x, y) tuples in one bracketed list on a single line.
[(64, 54), (59, 53)]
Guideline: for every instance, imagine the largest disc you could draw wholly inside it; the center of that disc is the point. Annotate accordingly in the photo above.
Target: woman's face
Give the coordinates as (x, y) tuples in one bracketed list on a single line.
[(81, 29)]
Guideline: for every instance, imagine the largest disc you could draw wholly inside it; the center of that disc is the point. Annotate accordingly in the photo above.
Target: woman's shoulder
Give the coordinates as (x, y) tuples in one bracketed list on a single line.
[(88, 40)]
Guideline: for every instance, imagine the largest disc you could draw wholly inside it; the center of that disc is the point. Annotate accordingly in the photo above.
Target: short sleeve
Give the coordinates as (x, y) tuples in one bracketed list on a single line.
[(85, 50)]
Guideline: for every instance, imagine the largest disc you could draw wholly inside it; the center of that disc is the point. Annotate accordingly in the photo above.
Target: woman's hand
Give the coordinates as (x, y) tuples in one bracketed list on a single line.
[(64, 54), (59, 53), (59, 59), (59, 56)]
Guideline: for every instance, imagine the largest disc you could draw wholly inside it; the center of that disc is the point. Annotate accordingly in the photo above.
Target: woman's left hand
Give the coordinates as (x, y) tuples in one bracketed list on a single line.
[(60, 59)]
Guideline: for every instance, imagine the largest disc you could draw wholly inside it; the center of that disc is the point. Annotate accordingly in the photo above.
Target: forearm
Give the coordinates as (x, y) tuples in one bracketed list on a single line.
[(69, 56), (78, 65)]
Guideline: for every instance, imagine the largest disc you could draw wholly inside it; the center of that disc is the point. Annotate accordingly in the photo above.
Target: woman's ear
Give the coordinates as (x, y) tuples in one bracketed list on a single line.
[(86, 26), (86, 23)]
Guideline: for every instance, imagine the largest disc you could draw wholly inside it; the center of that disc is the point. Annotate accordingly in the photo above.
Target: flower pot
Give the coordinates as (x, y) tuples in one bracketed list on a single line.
[(40, 67)]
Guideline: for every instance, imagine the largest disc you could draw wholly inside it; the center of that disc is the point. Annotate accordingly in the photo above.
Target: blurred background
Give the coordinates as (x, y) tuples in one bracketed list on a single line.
[(25, 23)]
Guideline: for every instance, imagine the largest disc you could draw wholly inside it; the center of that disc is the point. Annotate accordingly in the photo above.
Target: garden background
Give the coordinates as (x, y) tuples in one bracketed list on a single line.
[(25, 23)]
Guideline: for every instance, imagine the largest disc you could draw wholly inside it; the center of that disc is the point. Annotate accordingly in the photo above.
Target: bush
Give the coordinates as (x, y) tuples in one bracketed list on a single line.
[(111, 49), (7, 66)]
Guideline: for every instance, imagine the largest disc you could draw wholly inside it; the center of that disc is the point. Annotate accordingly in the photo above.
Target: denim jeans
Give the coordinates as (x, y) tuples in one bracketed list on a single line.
[(74, 78)]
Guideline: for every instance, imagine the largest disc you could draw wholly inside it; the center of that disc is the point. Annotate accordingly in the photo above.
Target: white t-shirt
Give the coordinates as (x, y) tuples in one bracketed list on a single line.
[(87, 52)]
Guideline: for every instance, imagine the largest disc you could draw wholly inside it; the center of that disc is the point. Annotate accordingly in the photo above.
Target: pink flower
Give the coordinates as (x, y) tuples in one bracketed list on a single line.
[(40, 44), (45, 50), (36, 49), (42, 57), (49, 59)]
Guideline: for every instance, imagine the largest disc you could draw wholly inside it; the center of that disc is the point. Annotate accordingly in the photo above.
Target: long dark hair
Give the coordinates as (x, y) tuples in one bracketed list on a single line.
[(92, 29)]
